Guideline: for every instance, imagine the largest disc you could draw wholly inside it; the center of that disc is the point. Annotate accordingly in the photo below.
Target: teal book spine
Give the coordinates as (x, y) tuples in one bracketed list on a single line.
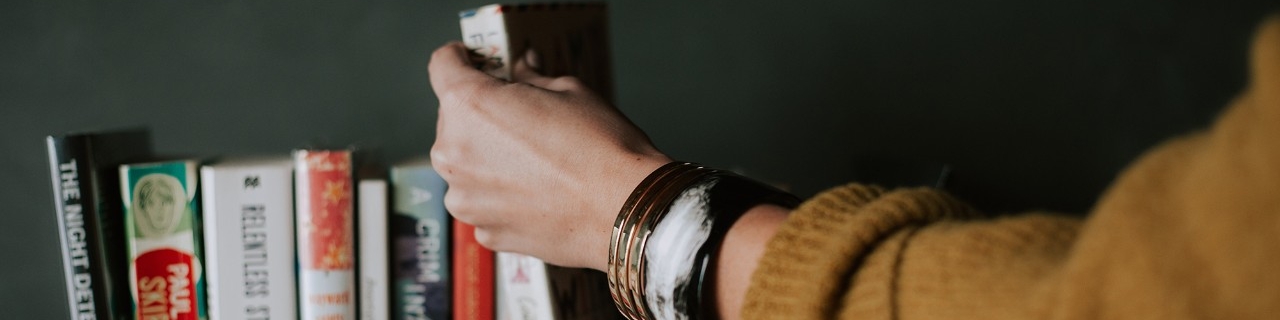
[(162, 228), (420, 233)]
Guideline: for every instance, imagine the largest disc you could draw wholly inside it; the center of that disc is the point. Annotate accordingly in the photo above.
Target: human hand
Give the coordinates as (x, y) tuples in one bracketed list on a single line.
[(539, 165)]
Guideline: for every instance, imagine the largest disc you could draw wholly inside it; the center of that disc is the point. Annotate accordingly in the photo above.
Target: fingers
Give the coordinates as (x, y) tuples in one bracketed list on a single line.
[(489, 234), (559, 84), (487, 239), (565, 84), (451, 71), (526, 70)]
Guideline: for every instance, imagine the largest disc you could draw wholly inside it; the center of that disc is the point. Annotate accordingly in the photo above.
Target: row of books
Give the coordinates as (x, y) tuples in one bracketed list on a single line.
[(308, 235), (301, 236)]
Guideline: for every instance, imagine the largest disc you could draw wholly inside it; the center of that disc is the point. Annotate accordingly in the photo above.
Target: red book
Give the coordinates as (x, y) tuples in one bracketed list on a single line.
[(325, 234), (473, 275)]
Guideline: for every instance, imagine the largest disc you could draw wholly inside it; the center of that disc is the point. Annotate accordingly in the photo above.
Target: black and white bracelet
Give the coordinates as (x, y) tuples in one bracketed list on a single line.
[(668, 233)]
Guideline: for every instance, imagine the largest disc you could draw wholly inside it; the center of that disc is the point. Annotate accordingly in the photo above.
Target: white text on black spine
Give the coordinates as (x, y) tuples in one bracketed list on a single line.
[(76, 242)]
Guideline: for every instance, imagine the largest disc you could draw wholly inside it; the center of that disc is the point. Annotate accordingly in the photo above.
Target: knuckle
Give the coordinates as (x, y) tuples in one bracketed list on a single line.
[(441, 159), (464, 95), (567, 83), (443, 52), (456, 203), (441, 156), (489, 239)]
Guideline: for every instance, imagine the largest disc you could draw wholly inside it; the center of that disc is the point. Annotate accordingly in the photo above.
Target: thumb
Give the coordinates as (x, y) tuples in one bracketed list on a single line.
[(451, 68)]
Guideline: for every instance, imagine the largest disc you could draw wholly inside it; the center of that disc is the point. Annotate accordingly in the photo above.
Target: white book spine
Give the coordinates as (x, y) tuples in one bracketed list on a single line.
[(373, 249), (249, 240), (485, 31), (525, 291)]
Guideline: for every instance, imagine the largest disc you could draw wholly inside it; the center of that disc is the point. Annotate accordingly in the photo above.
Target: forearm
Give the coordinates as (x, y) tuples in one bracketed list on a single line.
[(740, 253)]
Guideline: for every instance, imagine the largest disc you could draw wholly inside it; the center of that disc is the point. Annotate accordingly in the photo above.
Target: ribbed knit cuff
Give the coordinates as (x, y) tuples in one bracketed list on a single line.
[(808, 264)]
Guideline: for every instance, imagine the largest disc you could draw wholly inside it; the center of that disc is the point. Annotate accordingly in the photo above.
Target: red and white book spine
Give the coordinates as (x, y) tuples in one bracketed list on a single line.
[(248, 224), (325, 231), (473, 292)]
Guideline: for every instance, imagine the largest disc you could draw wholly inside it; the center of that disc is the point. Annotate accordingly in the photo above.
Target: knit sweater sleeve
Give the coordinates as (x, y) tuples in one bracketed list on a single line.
[(1191, 230)]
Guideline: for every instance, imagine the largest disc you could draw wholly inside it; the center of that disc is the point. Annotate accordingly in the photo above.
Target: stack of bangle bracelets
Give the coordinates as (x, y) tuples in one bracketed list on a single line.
[(666, 237)]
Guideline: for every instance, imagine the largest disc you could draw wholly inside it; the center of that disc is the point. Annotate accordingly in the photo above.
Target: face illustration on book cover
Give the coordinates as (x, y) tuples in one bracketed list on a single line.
[(160, 208), (160, 204)]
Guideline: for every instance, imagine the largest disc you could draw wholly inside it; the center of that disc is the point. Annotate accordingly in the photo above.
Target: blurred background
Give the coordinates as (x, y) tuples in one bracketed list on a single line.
[(1031, 105)]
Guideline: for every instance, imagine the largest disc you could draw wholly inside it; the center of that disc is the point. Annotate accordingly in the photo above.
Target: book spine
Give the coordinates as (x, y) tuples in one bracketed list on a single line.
[(374, 303), (524, 287), (484, 31), (570, 40), (162, 224), (77, 231), (421, 234), (326, 266), (90, 219), (248, 221), (473, 270)]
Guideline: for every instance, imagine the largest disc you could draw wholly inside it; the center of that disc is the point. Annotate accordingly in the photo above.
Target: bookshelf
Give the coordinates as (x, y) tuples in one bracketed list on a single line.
[(1035, 105)]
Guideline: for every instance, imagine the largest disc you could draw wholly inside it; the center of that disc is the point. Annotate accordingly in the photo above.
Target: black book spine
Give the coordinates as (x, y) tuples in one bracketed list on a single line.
[(86, 189), (69, 166)]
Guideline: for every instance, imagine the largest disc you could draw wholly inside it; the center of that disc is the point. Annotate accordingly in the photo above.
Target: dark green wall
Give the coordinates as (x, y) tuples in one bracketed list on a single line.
[(1034, 104)]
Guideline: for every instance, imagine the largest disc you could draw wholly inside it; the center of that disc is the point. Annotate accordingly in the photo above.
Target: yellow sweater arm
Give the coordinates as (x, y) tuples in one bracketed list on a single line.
[(1192, 230)]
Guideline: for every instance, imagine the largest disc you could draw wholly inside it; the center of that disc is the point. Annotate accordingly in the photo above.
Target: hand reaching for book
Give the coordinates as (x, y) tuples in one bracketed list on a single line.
[(539, 165)]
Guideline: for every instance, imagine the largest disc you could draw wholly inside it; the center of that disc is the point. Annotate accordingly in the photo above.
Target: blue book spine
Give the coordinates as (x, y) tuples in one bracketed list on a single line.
[(420, 236)]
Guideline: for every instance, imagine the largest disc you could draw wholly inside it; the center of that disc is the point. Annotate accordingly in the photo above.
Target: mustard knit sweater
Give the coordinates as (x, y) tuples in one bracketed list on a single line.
[(1191, 230)]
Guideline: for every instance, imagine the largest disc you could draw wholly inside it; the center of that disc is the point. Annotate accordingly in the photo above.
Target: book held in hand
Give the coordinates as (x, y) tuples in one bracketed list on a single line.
[(569, 39)]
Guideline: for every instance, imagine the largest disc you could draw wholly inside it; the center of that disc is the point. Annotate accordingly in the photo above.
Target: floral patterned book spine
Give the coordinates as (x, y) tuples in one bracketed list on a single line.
[(326, 256)]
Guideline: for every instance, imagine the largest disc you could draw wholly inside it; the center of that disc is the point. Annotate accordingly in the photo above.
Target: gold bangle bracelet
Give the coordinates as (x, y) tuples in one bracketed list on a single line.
[(724, 196), (618, 288), (657, 210), (649, 210)]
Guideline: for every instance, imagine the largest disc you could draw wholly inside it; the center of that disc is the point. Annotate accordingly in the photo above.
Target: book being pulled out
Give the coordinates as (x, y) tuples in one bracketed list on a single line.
[(569, 39)]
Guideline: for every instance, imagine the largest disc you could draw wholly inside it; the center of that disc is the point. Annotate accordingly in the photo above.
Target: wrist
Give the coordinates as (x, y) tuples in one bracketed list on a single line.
[(666, 238), (625, 175), (740, 253)]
